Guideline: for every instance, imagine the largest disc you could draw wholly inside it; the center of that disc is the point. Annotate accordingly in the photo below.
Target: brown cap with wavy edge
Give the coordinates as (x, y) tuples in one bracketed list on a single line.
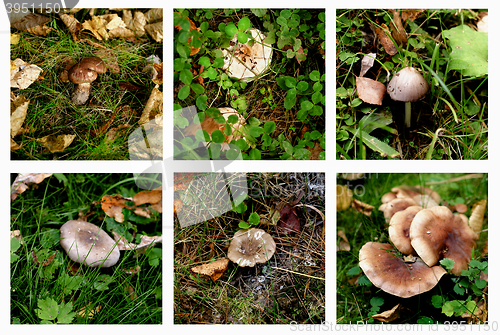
[(83, 74), (399, 229), (437, 233), (251, 246), (392, 275)]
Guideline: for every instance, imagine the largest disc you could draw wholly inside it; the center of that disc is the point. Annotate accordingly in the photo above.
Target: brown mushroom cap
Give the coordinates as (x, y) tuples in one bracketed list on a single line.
[(396, 205), (399, 229), (251, 246), (392, 275), (437, 233), (83, 74), (407, 85), (88, 244)]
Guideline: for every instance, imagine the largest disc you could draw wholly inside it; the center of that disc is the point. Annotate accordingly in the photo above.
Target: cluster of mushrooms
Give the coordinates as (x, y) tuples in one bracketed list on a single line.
[(423, 231)]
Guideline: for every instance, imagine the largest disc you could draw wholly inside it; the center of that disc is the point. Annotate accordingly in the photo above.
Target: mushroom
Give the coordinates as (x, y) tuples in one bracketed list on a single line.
[(396, 205), (408, 85), (88, 244), (437, 233), (393, 275), (83, 74), (248, 60), (399, 229), (251, 246)]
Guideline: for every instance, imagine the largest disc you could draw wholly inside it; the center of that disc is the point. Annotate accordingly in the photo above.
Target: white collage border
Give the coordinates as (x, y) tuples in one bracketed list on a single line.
[(330, 166)]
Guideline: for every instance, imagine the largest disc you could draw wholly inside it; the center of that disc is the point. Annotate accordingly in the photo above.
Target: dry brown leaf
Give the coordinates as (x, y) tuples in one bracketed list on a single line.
[(115, 132), (88, 312), (110, 58), (315, 151), (151, 147), (18, 109), (129, 289), (154, 106), (344, 197), (23, 74), (182, 179), (289, 221), (388, 316), (361, 207), (14, 39), (370, 91), (213, 270), (156, 72), (411, 14), (343, 244), (154, 15), (148, 197), (24, 180), (367, 63), (177, 205), (135, 23), (132, 271), (477, 216), (56, 143), (30, 23), (385, 40), (73, 25), (113, 206), (17, 235), (146, 241), (49, 260), (155, 30), (398, 32)]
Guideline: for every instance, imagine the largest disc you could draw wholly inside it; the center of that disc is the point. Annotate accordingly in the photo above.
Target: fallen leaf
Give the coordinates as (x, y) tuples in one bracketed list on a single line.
[(74, 26), (110, 58), (132, 271), (182, 179), (388, 316), (398, 32), (113, 206), (367, 63), (88, 312), (148, 197), (146, 142), (385, 40), (370, 91), (213, 270), (155, 30), (24, 180), (129, 289), (56, 143), (46, 262), (135, 22), (477, 216), (361, 207), (289, 221), (33, 23), (23, 74), (344, 197), (17, 235), (154, 106), (315, 151), (343, 244), (18, 110), (14, 39), (411, 14)]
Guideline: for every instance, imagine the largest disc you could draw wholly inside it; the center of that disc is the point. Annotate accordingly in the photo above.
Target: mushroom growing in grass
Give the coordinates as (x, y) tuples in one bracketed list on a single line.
[(251, 246), (408, 85), (248, 60), (88, 244), (390, 273), (437, 233), (83, 74)]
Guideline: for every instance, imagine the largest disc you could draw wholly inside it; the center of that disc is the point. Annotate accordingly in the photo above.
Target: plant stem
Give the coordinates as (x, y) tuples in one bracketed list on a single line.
[(408, 114)]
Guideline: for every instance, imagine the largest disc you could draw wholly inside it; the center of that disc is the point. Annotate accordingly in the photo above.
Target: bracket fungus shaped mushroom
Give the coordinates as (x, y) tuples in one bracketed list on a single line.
[(408, 85), (392, 275), (399, 229), (249, 60), (437, 233), (251, 246), (88, 244), (83, 74)]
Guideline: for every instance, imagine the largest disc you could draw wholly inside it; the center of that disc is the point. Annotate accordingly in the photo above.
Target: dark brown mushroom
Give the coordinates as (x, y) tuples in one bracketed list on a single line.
[(393, 275), (83, 74), (437, 233)]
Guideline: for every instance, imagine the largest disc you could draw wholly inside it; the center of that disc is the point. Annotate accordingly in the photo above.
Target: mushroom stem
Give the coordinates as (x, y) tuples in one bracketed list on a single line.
[(408, 114)]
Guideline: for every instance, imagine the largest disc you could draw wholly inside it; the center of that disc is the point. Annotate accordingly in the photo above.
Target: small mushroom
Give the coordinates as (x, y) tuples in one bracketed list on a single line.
[(83, 74), (88, 244), (437, 233), (251, 246), (393, 275), (396, 205), (248, 60), (408, 85)]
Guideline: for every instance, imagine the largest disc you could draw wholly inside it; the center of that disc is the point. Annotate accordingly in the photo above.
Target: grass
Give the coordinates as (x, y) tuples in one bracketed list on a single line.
[(96, 295), (116, 99), (289, 287), (451, 122), (296, 115), (355, 302)]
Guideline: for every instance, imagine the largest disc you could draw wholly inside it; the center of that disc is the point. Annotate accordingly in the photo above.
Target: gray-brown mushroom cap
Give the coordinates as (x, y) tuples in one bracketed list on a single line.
[(399, 229), (88, 244), (392, 275), (83, 74), (396, 205), (251, 246), (407, 85), (437, 233)]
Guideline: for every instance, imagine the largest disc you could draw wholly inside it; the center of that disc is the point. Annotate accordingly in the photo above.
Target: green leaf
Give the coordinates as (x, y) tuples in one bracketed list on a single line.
[(301, 154), (254, 219), (218, 136), (14, 244), (184, 24), (354, 271), (231, 29), (306, 105), (317, 97), (205, 61), (375, 144), (318, 86), (47, 309), (204, 26), (102, 281), (480, 283), (244, 225), (256, 131), (290, 53), (469, 50), (201, 102), (447, 263), (242, 144), (281, 21), (376, 301), (437, 301), (197, 88), (65, 314), (290, 82), (364, 281), (184, 92), (255, 154), (288, 147), (302, 85), (269, 127), (232, 119), (314, 75), (260, 12), (186, 76), (242, 37), (286, 13), (154, 256), (244, 24)]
